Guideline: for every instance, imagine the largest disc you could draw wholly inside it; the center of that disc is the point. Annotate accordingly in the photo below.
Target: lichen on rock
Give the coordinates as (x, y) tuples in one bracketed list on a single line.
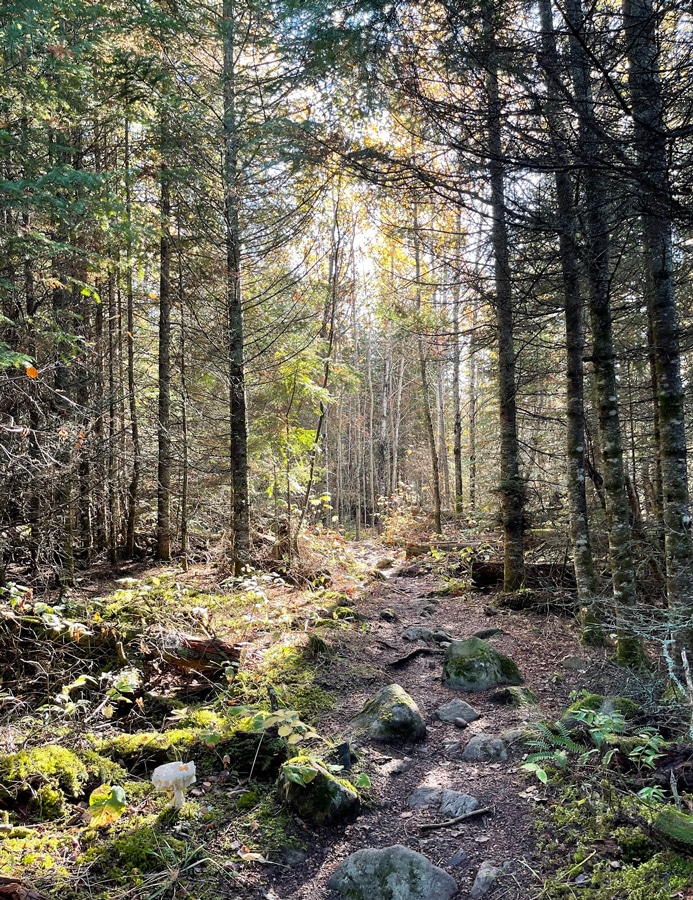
[(391, 715), (319, 797), (473, 665)]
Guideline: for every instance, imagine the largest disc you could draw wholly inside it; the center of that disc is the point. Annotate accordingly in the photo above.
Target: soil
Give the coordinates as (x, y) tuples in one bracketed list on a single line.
[(538, 643)]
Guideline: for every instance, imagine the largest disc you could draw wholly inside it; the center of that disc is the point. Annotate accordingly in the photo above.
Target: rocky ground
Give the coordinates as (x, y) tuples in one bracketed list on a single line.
[(407, 781), (449, 795)]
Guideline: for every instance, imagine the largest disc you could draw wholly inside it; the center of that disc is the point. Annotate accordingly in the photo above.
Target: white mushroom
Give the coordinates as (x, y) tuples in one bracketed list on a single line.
[(175, 776)]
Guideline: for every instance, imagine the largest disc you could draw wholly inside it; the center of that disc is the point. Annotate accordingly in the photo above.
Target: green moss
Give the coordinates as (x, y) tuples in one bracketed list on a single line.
[(474, 665), (268, 828), (33, 852), (324, 799), (49, 802), (676, 827), (290, 670), (52, 765)]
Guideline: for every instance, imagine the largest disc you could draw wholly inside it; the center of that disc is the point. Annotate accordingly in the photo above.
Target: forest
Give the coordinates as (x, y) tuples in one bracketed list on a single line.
[(332, 330)]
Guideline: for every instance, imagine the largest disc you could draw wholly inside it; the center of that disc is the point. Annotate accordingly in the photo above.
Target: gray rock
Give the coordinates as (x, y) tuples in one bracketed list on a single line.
[(457, 709), (453, 748), (393, 873), (392, 715), (473, 665), (458, 859), (389, 615), (418, 633), (574, 663), (442, 637), (514, 735), (485, 748), (455, 803), (423, 797), (487, 874)]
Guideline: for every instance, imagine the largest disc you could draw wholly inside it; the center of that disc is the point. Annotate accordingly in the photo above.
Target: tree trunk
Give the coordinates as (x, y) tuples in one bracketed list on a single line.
[(428, 418), (234, 299), (512, 489), (575, 400), (651, 148), (456, 403), (133, 487), (597, 254), (163, 517)]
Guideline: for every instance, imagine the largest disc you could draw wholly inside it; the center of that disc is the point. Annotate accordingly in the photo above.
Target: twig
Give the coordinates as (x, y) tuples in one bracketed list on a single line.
[(430, 826)]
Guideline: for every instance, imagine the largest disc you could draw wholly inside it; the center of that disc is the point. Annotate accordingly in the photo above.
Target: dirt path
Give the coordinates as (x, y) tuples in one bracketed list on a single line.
[(539, 644)]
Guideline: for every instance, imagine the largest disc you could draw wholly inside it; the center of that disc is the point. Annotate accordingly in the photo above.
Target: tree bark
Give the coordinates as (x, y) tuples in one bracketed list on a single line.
[(428, 417), (512, 488), (456, 402), (238, 424), (651, 148), (163, 515), (575, 402), (603, 359)]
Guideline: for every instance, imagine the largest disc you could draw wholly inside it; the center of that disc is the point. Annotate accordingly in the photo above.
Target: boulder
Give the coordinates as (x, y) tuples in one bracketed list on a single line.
[(457, 709), (314, 793), (485, 748), (393, 873), (473, 665), (487, 874), (392, 715)]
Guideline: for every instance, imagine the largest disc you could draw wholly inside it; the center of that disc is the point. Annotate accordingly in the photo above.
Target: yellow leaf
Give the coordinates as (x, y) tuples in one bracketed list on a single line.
[(32, 372)]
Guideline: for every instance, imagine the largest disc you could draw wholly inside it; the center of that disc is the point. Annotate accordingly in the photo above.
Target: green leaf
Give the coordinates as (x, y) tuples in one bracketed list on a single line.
[(363, 781), (106, 804)]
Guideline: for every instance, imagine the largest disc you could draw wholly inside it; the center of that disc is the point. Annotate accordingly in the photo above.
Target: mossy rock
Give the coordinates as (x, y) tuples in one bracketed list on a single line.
[(473, 665), (675, 829), (514, 696), (391, 715), (324, 799), (623, 706)]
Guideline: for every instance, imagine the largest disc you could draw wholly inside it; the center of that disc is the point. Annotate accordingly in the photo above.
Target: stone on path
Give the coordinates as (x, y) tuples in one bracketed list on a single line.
[(487, 874), (473, 665), (391, 715), (455, 803), (423, 797), (393, 873), (450, 803), (485, 748), (457, 709), (389, 615), (458, 859), (418, 633)]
